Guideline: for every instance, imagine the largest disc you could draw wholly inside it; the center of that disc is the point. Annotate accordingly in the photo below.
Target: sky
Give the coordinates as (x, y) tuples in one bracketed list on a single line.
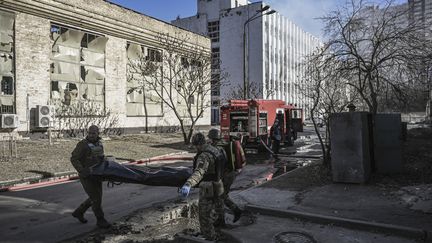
[(302, 12)]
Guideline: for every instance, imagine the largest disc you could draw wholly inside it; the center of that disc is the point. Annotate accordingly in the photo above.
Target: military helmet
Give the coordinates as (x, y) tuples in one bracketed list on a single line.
[(214, 134), (198, 139)]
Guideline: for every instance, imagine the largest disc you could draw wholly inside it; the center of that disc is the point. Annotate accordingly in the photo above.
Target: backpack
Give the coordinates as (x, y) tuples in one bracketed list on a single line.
[(221, 160)]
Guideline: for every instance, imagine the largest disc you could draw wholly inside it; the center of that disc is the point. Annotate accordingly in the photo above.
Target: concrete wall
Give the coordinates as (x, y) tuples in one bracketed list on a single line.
[(32, 51), (196, 24), (351, 162)]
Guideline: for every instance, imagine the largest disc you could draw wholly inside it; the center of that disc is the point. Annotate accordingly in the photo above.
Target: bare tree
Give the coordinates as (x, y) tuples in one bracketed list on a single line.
[(74, 119), (378, 50), (326, 90), (254, 90), (180, 78)]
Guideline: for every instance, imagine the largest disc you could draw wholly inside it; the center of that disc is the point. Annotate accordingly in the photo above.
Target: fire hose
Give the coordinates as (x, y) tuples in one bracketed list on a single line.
[(266, 147)]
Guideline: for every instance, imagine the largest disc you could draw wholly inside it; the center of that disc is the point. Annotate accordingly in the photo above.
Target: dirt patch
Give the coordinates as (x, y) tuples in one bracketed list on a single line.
[(38, 158), (159, 223), (417, 156), (305, 177)]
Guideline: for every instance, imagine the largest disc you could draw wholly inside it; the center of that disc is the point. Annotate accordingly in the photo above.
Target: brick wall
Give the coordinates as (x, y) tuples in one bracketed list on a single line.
[(32, 50)]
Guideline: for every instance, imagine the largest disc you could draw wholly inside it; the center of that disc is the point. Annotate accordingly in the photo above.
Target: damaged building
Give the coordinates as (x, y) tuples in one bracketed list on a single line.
[(62, 53)]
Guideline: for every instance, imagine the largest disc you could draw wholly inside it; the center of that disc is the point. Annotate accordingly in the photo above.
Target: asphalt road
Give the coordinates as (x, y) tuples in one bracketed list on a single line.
[(44, 214)]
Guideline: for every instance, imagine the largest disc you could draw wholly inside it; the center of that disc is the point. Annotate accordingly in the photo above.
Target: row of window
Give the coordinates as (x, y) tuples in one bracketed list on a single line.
[(213, 31), (77, 69), (78, 66), (7, 72)]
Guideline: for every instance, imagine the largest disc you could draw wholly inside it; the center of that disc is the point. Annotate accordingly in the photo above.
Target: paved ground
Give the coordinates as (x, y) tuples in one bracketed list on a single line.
[(282, 230), (307, 202), (358, 202), (379, 207), (43, 214)]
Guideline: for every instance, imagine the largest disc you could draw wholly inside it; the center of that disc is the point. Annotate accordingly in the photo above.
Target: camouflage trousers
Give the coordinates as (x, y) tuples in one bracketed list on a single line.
[(93, 188), (208, 216), (228, 180)]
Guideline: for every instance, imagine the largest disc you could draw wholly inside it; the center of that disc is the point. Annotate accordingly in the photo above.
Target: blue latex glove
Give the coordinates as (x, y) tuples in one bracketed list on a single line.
[(184, 191)]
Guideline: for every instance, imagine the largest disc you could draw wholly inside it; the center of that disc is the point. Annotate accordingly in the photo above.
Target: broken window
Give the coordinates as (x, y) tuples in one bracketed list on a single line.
[(7, 72), (154, 55), (78, 66), (7, 86), (139, 97)]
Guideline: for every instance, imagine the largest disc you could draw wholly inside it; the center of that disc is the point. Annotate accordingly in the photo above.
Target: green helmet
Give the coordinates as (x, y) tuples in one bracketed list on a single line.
[(214, 134), (198, 139)]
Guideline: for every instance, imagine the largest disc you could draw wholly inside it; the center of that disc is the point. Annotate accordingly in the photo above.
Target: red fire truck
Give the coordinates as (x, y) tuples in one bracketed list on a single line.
[(254, 118)]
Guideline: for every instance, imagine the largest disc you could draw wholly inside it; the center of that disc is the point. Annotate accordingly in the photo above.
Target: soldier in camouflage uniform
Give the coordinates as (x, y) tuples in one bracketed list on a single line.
[(228, 178), (87, 153), (207, 173)]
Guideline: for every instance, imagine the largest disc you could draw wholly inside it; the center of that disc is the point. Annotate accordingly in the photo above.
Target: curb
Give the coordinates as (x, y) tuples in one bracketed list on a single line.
[(344, 222), (64, 177)]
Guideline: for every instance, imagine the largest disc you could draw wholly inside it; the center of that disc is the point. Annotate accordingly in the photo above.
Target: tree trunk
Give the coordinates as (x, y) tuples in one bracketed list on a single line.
[(145, 111)]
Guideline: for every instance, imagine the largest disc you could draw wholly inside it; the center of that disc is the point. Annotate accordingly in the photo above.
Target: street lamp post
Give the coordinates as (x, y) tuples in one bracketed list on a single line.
[(257, 15)]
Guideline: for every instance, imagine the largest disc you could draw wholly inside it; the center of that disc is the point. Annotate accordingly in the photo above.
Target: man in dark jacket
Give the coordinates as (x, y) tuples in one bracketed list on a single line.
[(86, 154), (276, 137)]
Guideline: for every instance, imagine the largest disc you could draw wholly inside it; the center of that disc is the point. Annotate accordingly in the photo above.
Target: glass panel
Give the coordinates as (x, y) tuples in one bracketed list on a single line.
[(63, 71), (93, 58)]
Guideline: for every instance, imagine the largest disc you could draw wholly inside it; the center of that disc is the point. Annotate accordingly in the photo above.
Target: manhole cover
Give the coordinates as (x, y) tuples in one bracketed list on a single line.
[(293, 237)]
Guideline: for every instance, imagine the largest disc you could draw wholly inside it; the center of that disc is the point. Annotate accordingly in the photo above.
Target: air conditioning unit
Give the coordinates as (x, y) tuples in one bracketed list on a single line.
[(44, 115), (9, 121)]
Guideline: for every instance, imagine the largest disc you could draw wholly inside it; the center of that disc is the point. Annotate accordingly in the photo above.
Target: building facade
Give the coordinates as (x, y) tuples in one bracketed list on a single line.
[(61, 52), (274, 48), (421, 11)]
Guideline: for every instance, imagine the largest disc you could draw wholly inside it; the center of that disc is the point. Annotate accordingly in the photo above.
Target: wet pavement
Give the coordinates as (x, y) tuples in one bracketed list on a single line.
[(286, 209)]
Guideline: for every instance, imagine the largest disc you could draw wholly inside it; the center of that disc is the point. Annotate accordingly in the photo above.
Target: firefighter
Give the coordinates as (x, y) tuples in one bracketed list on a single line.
[(207, 173), (276, 137), (87, 153), (229, 174)]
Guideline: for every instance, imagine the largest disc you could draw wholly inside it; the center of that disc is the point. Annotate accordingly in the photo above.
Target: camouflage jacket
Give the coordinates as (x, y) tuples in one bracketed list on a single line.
[(204, 165), (87, 154)]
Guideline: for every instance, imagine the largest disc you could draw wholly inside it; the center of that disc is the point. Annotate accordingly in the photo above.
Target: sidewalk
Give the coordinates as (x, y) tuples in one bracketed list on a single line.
[(331, 212)]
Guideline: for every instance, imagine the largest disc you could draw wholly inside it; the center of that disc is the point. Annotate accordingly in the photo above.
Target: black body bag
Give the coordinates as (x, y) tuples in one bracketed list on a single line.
[(151, 176)]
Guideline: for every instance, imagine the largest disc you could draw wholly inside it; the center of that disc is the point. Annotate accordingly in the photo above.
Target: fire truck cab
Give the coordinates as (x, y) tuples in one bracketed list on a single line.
[(253, 119)]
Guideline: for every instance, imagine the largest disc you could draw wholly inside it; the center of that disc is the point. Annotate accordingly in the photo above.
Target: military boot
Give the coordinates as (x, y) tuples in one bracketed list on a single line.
[(79, 216), (102, 223), (237, 214)]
